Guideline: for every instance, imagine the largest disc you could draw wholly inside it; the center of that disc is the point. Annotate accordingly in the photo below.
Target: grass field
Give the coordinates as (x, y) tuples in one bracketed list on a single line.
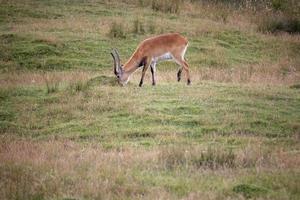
[(69, 131)]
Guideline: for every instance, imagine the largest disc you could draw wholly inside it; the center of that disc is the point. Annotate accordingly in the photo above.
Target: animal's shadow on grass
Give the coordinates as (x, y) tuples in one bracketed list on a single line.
[(295, 86), (102, 80)]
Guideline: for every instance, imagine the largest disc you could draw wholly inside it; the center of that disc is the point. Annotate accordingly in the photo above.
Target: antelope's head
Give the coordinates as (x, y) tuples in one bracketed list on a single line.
[(121, 75)]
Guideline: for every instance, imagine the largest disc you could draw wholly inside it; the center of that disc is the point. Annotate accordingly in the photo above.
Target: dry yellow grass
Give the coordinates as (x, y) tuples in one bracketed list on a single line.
[(73, 169), (17, 79), (52, 168), (266, 74)]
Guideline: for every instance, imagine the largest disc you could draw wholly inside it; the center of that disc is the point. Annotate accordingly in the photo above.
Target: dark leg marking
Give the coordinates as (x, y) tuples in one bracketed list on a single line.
[(141, 83), (153, 75), (189, 82), (179, 74), (147, 63)]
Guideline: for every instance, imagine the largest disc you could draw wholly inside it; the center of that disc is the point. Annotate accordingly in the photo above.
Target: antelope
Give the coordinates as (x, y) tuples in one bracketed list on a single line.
[(171, 46)]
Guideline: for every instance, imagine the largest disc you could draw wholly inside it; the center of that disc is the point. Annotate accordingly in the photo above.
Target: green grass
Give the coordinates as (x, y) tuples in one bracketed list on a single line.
[(190, 112), (69, 131)]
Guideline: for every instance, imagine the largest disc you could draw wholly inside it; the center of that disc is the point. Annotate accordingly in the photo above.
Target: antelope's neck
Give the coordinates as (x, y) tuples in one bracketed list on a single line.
[(132, 64)]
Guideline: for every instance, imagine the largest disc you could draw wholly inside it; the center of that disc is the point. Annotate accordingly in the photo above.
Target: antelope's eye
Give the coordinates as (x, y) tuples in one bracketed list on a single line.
[(118, 76)]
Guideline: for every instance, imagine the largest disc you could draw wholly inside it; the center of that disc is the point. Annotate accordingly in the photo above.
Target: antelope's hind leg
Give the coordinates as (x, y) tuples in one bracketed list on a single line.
[(179, 74), (180, 61), (178, 56)]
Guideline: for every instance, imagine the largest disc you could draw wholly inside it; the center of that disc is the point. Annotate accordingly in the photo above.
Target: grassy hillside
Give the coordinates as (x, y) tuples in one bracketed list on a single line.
[(68, 131)]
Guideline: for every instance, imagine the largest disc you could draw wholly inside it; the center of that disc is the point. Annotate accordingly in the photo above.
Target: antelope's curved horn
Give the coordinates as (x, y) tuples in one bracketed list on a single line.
[(116, 67), (117, 57)]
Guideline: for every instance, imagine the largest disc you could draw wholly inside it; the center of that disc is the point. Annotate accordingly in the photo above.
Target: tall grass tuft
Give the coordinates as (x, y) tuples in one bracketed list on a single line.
[(249, 191), (273, 23), (117, 30), (138, 26), (52, 85), (151, 27), (173, 157), (210, 158), (22, 181), (78, 86), (169, 6), (51, 88), (214, 158)]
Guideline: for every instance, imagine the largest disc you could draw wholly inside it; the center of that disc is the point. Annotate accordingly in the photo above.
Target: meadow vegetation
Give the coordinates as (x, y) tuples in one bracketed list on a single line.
[(69, 131)]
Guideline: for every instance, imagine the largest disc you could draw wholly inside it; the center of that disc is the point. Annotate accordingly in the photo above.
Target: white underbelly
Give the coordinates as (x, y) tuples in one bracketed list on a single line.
[(166, 56)]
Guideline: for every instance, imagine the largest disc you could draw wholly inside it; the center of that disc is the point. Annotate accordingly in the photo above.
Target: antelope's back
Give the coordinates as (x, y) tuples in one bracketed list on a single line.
[(163, 43)]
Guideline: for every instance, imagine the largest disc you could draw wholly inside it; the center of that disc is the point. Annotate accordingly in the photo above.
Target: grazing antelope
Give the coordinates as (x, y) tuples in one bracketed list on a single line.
[(170, 46)]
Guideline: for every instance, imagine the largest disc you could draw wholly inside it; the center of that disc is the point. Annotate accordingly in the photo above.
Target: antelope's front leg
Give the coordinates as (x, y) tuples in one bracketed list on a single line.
[(146, 66), (153, 72)]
